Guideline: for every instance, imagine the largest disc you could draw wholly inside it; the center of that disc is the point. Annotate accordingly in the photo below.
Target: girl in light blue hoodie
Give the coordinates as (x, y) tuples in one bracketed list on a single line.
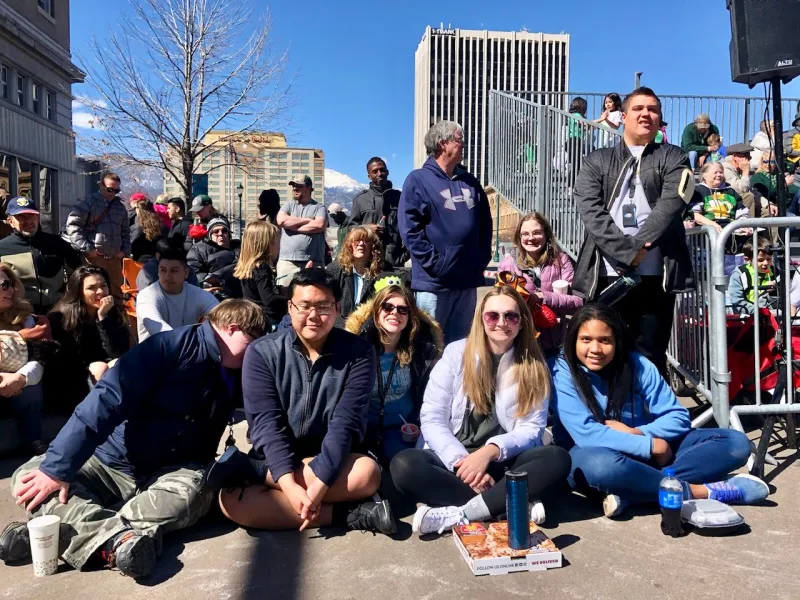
[(622, 424)]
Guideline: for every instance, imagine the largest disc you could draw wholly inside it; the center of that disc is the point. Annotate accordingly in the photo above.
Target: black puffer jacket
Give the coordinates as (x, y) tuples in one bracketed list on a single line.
[(428, 347), (210, 260), (669, 186)]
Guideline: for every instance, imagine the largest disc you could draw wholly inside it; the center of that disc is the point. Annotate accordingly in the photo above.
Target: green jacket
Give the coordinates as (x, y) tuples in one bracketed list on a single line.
[(694, 141), (765, 184)]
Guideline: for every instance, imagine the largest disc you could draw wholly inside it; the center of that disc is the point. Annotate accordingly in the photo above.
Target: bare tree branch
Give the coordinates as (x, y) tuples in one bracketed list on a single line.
[(192, 68)]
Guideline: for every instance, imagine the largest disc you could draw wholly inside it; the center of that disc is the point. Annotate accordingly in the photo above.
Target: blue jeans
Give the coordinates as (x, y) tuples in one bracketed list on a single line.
[(27, 407), (693, 159), (452, 309), (701, 456)]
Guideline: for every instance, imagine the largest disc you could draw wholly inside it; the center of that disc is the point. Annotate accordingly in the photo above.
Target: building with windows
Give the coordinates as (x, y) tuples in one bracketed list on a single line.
[(457, 68), (37, 146), (255, 160)]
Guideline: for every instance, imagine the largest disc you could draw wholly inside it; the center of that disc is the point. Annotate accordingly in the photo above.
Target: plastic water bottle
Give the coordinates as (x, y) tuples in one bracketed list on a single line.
[(670, 499)]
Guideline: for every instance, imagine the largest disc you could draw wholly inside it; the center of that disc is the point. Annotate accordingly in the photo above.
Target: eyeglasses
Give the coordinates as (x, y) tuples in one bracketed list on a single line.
[(492, 318), (389, 308), (323, 310), (532, 234), (111, 190)]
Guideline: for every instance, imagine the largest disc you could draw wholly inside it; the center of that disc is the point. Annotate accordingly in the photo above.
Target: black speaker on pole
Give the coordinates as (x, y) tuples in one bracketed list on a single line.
[(765, 40)]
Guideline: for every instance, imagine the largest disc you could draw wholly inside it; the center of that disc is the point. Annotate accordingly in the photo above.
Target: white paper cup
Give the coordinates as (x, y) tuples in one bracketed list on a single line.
[(44, 544), (560, 286)]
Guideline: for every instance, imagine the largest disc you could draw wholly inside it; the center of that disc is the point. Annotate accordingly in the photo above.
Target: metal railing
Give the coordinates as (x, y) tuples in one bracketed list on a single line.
[(535, 154), (689, 352), (738, 118)]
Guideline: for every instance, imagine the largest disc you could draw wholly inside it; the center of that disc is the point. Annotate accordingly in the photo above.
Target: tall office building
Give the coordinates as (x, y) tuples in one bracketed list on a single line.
[(255, 161), (37, 145), (457, 68)]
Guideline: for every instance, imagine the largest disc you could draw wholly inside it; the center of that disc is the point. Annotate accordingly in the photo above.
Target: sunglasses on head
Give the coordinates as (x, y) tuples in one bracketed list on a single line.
[(389, 308), (492, 318), (6, 285)]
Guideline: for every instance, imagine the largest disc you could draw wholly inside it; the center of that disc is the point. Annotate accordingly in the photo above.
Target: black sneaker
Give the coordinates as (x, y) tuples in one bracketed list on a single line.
[(133, 554), (15, 543), (373, 516), (231, 470)]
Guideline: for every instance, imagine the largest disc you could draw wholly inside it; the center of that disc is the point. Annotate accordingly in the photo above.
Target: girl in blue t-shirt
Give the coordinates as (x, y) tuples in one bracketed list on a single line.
[(622, 424), (408, 342)]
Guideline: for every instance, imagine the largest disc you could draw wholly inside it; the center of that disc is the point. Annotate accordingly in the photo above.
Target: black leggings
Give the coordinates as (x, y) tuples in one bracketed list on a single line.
[(422, 476)]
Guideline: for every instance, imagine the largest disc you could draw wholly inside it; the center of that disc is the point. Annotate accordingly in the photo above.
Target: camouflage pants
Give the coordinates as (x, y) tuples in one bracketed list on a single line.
[(103, 502)]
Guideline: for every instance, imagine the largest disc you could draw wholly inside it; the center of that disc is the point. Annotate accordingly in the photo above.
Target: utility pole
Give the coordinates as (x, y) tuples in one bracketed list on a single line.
[(637, 79)]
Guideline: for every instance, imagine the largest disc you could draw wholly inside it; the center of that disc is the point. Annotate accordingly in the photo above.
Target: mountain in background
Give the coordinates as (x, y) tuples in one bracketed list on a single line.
[(133, 178), (342, 189)]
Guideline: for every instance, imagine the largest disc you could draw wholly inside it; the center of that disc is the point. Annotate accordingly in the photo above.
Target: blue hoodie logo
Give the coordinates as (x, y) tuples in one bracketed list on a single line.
[(450, 200)]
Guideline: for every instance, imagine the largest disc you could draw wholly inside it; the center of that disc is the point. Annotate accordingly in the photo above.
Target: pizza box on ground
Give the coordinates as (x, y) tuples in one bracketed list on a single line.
[(485, 549)]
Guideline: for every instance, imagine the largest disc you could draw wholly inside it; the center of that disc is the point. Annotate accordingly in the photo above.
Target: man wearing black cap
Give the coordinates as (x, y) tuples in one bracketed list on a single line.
[(42, 260), (303, 222)]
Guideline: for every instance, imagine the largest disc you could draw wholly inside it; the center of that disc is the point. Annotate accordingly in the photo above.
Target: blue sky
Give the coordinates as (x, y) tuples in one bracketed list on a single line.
[(354, 87)]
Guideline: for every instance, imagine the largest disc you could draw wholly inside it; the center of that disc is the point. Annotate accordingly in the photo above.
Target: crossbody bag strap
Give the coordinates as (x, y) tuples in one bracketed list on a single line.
[(382, 393)]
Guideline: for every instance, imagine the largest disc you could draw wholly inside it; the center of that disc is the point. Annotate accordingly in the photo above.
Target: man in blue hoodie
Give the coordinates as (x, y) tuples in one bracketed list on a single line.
[(446, 224)]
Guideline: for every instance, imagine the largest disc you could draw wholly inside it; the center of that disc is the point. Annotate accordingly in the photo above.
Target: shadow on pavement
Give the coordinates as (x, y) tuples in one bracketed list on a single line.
[(275, 562), (169, 563)]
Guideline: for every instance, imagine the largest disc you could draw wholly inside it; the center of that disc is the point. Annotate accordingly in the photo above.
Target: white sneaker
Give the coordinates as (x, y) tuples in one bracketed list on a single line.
[(613, 505), (537, 512), (437, 520)]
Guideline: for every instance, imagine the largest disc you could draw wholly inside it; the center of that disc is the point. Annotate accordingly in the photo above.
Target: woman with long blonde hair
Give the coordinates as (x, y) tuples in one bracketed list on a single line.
[(484, 412), (356, 268), (260, 246)]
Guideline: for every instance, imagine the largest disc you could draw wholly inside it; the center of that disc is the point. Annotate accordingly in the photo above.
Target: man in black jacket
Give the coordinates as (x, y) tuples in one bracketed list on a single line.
[(306, 396), (214, 259), (631, 198), (42, 260), (377, 207), (176, 210)]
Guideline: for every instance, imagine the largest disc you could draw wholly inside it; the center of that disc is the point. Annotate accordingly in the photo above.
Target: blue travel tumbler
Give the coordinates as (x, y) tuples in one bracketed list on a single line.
[(517, 510)]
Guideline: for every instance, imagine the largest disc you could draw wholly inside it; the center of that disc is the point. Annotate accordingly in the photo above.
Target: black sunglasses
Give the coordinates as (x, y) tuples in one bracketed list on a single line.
[(389, 308), (111, 190), (6, 285)]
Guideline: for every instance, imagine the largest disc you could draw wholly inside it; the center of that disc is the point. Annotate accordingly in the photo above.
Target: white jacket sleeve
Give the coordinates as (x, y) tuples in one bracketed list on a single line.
[(526, 432), (32, 371), (437, 406), (148, 318)]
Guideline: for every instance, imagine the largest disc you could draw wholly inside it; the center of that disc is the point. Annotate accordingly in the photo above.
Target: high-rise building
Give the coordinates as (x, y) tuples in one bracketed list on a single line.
[(457, 68), (255, 160), (37, 146)]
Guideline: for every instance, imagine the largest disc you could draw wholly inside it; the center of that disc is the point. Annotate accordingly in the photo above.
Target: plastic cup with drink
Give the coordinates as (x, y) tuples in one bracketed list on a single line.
[(43, 533), (410, 431), (561, 286)]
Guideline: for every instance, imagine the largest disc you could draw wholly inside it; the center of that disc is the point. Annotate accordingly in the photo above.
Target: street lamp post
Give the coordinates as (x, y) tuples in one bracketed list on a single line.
[(240, 191)]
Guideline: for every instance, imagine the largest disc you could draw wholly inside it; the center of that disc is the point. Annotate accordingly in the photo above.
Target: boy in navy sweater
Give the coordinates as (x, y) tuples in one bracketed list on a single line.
[(306, 396), (446, 224)]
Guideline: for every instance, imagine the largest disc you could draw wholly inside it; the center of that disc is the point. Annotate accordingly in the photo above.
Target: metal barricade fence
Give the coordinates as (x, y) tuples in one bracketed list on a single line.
[(689, 352), (720, 320), (738, 118)]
